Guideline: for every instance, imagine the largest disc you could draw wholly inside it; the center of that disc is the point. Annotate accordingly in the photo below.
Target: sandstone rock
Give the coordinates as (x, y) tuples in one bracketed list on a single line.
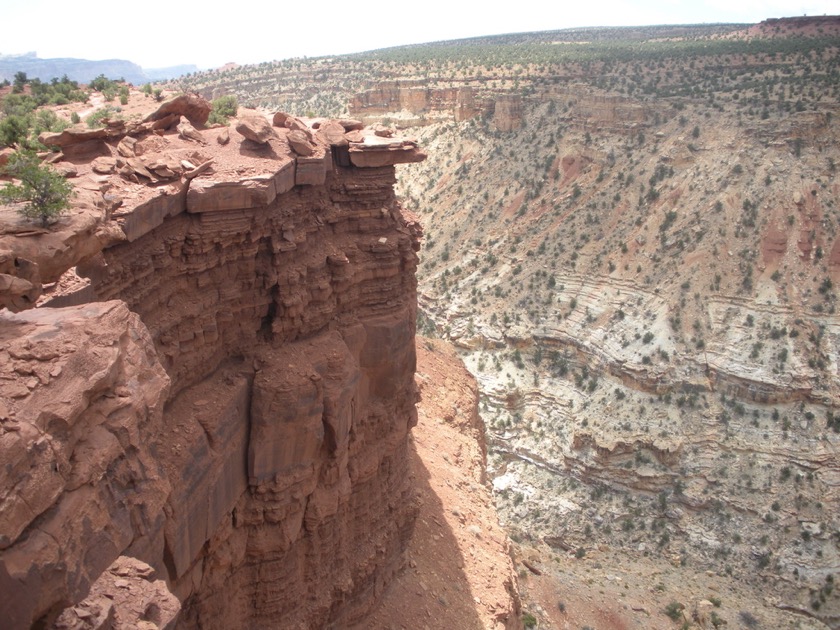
[(215, 196), (66, 169), (383, 132), (144, 217), (312, 171), (74, 135), (256, 129), (191, 171), (195, 108), (164, 123), (507, 114), (300, 143), (104, 165), (164, 165), (79, 142), (20, 282), (332, 133), (376, 152), (75, 238), (130, 168), (255, 280), (67, 520), (351, 124), (124, 597), (224, 136), (188, 132), (126, 147), (300, 494), (279, 119), (296, 124)]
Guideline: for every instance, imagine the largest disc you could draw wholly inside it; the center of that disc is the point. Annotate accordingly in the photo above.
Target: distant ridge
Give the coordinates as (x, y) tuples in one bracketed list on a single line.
[(84, 70)]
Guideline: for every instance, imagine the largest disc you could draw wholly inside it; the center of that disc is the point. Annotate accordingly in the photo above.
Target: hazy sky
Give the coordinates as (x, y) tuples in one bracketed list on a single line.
[(209, 35)]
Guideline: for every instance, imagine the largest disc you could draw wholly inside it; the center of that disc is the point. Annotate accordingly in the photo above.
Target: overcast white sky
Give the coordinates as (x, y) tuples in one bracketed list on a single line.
[(209, 34)]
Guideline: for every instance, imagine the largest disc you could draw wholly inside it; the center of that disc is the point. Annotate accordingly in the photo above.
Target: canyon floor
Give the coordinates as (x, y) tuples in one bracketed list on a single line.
[(459, 572)]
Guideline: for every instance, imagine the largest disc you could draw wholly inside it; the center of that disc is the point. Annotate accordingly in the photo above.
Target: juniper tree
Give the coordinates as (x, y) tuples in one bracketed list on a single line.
[(46, 192)]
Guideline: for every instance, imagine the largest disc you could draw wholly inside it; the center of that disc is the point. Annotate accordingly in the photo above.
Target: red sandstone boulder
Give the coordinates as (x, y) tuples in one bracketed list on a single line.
[(332, 134), (188, 132), (20, 282), (193, 106), (300, 143), (279, 119), (351, 124), (296, 124), (255, 128)]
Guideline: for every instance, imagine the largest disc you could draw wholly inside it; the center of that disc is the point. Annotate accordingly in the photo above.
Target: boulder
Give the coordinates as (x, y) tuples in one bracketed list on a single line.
[(20, 282), (296, 124), (188, 132), (300, 143), (104, 165), (332, 134), (256, 129), (74, 135), (279, 119), (383, 132), (351, 124), (194, 107), (126, 147), (66, 169)]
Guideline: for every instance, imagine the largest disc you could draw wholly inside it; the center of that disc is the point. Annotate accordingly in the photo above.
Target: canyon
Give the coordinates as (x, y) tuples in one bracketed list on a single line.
[(629, 235)]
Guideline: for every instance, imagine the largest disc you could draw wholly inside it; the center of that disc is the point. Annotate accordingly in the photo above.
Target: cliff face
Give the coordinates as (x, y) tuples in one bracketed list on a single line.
[(233, 406), (414, 103)]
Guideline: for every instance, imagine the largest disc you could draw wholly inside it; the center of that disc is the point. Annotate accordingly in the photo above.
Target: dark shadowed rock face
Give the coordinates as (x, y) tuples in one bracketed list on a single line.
[(231, 406)]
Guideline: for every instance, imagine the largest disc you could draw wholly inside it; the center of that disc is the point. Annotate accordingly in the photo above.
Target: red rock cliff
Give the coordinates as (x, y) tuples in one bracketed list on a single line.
[(232, 404)]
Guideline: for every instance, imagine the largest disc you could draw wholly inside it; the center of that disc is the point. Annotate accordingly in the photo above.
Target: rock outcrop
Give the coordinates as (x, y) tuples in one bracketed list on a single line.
[(415, 104), (230, 398), (126, 597)]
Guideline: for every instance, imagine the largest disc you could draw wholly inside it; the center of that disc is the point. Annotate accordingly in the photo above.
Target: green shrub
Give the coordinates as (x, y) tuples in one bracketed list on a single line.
[(14, 130), (47, 192), (96, 118), (674, 610), (528, 620), (223, 108)]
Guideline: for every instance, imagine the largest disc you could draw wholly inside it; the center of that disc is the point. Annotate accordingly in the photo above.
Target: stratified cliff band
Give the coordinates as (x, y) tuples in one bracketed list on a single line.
[(228, 394)]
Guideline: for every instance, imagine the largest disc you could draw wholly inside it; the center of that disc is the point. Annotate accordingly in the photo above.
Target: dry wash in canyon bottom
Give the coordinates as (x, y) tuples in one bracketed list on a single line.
[(225, 390)]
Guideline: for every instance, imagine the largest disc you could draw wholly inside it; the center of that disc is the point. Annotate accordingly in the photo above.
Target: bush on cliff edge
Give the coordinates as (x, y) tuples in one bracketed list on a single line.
[(47, 193)]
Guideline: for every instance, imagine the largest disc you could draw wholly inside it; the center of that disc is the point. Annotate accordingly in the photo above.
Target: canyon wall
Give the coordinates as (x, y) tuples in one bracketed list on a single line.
[(414, 104), (226, 391)]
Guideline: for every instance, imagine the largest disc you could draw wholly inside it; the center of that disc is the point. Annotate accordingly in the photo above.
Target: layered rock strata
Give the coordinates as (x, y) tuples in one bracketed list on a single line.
[(230, 399)]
